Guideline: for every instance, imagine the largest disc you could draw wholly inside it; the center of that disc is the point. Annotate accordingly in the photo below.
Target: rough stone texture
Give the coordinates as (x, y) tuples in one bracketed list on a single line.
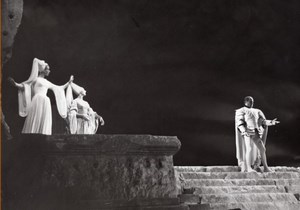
[(240, 189), (12, 11), (250, 197), (237, 182), (223, 187), (92, 172), (229, 169), (189, 198), (240, 175), (252, 206)]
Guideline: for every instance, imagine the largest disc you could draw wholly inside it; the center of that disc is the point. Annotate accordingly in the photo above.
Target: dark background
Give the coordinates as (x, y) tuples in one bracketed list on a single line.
[(170, 67)]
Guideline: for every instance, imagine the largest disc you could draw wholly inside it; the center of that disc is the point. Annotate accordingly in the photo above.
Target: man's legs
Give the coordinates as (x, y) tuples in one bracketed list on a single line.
[(262, 150), (248, 154)]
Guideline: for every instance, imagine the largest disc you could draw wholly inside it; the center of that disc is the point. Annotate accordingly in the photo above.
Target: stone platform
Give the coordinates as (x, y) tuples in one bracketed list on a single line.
[(90, 172), (224, 187), (95, 172)]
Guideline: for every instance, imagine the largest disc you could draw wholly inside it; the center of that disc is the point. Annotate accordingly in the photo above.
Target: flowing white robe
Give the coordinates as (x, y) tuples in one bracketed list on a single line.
[(36, 107)]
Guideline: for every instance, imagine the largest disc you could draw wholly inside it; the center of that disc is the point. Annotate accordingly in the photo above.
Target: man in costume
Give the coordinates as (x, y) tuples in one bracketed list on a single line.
[(251, 128)]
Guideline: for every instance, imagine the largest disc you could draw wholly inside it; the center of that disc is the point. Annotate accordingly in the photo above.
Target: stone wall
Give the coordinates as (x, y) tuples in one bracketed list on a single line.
[(12, 11), (91, 172)]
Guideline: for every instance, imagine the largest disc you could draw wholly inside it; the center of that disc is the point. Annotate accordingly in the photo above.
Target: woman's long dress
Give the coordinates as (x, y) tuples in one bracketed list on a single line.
[(39, 112), (79, 125)]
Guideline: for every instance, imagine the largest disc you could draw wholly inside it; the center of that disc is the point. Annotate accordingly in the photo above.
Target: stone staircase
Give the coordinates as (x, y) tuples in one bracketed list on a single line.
[(224, 187)]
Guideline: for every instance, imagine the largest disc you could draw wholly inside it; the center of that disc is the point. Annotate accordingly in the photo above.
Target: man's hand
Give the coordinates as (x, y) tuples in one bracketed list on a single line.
[(245, 133), (272, 122)]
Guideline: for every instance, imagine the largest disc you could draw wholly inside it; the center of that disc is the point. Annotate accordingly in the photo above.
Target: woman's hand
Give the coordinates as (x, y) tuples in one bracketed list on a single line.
[(71, 79), (101, 121), (17, 85), (11, 81)]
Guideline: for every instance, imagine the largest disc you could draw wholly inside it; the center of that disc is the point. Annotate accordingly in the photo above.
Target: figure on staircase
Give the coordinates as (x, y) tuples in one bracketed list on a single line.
[(33, 101), (251, 128), (81, 117)]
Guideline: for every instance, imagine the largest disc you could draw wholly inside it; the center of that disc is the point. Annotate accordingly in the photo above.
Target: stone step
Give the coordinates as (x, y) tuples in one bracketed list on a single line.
[(249, 197), (239, 189), (247, 206), (207, 168), (189, 183), (239, 175), (229, 169)]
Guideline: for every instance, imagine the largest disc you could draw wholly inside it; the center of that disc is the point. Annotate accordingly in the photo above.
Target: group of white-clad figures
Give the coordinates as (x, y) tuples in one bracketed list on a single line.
[(36, 107), (251, 124)]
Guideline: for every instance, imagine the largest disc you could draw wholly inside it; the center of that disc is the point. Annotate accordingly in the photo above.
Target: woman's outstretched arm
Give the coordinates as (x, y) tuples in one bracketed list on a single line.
[(69, 82), (20, 86), (51, 85)]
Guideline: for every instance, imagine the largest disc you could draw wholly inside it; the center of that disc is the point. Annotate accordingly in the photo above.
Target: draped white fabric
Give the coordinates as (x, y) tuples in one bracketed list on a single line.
[(34, 103), (24, 99), (39, 118), (78, 125), (60, 99)]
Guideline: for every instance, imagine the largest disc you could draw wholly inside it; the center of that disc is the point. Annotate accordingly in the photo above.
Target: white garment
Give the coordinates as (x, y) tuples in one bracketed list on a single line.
[(79, 125), (77, 106), (35, 105), (39, 118), (250, 120)]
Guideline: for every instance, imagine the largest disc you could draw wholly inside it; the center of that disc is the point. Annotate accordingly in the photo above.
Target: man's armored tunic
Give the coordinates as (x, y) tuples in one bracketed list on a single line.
[(249, 120)]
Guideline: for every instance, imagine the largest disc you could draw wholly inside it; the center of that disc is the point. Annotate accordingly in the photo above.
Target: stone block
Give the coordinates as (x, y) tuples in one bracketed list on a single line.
[(65, 171), (240, 175), (229, 169), (189, 198), (239, 189), (256, 206), (227, 182), (250, 197)]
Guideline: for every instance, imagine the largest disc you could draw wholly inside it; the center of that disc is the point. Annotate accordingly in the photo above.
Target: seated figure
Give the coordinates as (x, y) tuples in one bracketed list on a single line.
[(81, 117)]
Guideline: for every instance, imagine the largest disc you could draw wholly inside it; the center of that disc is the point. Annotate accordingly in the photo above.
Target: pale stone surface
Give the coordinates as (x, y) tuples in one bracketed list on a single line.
[(239, 189), (223, 187), (254, 205), (240, 175), (229, 169), (250, 197), (227, 182)]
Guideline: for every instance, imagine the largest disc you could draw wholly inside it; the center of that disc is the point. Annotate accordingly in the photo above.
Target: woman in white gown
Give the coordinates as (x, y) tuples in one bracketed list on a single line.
[(82, 119), (33, 101)]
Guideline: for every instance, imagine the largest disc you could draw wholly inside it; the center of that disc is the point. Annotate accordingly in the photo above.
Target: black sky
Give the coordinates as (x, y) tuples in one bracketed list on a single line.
[(170, 67)]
